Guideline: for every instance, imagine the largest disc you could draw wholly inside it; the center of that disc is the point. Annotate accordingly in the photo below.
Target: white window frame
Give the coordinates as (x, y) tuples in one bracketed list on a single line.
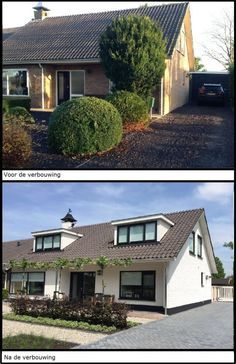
[(71, 95), (27, 81)]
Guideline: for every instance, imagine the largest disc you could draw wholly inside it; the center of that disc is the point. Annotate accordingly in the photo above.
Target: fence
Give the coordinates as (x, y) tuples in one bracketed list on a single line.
[(222, 293)]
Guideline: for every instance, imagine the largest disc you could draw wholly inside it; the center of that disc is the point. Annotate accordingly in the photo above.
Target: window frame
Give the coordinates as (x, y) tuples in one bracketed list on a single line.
[(144, 233), (48, 249), (27, 82), (192, 252), (142, 287), (27, 283), (201, 246), (202, 279), (70, 80)]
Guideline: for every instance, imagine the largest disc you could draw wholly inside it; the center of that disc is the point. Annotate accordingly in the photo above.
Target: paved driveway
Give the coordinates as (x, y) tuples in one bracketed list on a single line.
[(207, 327), (189, 137)]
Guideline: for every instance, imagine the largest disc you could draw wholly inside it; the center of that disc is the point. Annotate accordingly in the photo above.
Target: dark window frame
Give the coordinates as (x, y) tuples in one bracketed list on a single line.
[(202, 279), (193, 252), (199, 237), (47, 249), (144, 233), (139, 299), (27, 283)]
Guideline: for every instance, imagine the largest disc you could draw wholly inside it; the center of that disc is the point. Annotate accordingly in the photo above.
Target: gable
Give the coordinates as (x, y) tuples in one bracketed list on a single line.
[(76, 37)]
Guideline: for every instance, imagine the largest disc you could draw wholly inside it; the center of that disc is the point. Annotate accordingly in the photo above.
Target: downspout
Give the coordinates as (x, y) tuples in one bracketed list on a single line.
[(162, 97), (165, 283), (42, 84)]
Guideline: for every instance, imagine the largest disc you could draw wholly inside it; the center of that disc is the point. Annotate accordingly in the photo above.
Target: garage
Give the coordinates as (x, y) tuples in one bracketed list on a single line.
[(197, 79)]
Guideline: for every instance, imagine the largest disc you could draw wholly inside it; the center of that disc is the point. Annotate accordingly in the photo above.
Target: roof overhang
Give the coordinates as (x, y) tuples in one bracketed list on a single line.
[(142, 219), (56, 61), (55, 231)]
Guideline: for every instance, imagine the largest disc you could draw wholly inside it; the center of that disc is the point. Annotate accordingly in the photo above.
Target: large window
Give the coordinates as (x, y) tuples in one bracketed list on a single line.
[(137, 233), (30, 283), (15, 83), (77, 84), (137, 285), (49, 242), (199, 246), (191, 243)]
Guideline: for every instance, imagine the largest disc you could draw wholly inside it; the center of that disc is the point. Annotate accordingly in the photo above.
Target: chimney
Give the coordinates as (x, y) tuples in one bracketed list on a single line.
[(40, 12), (68, 221)]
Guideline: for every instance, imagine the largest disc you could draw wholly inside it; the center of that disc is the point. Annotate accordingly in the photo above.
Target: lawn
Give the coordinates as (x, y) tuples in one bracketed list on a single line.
[(33, 342)]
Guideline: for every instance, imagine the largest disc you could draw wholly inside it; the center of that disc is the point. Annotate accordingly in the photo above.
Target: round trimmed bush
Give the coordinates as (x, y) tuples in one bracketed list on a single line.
[(19, 114), (132, 108), (84, 125), (17, 145)]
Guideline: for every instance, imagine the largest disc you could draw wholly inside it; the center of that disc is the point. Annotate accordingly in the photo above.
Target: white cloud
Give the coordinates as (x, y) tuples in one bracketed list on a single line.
[(109, 190), (216, 192)]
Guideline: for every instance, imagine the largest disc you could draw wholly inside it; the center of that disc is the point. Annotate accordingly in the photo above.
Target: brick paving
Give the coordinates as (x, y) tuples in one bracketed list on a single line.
[(206, 327)]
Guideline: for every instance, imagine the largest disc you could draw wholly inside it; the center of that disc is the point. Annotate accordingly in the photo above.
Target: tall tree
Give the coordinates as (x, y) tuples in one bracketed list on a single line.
[(133, 53), (222, 40), (198, 66), (220, 269)]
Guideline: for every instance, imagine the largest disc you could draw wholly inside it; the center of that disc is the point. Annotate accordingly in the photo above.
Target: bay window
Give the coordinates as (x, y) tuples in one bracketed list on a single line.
[(15, 82), (137, 285), (139, 233)]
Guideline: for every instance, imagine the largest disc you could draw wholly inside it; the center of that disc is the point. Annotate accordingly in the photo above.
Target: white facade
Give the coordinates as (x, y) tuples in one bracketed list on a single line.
[(184, 276)]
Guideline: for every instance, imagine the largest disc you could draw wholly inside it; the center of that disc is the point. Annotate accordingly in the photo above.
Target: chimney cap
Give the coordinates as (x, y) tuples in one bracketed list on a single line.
[(40, 6), (68, 217)]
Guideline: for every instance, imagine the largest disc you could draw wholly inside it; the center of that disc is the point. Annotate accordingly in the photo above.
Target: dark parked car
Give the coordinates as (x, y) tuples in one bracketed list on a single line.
[(211, 93)]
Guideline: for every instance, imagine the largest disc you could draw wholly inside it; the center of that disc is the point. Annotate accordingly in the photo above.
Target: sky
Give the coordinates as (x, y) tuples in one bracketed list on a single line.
[(38, 206), (203, 15)]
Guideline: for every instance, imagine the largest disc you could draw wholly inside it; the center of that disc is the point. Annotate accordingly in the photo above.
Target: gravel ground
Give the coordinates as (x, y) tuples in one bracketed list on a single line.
[(74, 336), (190, 137)]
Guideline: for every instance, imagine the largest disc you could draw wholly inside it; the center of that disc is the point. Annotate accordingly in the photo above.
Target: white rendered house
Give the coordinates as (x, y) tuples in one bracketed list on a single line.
[(172, 261)]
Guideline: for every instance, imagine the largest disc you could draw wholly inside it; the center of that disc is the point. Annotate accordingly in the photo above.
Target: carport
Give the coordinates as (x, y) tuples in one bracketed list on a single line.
[(197, 79)]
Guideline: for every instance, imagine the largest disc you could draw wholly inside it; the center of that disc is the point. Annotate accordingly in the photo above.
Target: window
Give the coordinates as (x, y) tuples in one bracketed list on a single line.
[(137, 285), (15, 83), (191, 243), (31, 283), (77, 84), (138, 233), (202, 281), (48, 242), (199, 246)]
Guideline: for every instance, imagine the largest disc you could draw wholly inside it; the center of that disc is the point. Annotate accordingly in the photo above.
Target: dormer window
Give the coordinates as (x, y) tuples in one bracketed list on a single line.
[(48, 242), (139, 233)]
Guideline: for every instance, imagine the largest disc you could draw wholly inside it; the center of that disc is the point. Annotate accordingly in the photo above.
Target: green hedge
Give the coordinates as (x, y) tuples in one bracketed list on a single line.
[(5, 293), (84, 125), (132, 108), (9, 102)]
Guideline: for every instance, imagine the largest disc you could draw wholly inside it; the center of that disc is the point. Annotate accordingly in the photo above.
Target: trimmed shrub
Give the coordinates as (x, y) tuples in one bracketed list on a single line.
[(16, 145), (132, 108), (101, 313), (5, 294), (84, 125), (18, 114), (9, 102)]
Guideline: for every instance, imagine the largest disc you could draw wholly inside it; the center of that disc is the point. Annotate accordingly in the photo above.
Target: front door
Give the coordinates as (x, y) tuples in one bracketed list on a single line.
[(63, 86), (82, 286)]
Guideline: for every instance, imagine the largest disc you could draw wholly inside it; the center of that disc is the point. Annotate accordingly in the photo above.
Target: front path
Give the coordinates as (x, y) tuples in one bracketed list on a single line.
[(206, 327)]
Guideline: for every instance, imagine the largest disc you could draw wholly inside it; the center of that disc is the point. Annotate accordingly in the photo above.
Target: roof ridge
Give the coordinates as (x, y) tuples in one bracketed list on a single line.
[(117, 10), (183, 211)]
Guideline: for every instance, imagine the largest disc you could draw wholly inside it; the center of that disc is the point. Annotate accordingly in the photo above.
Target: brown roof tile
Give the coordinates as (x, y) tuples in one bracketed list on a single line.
[(98, 240)]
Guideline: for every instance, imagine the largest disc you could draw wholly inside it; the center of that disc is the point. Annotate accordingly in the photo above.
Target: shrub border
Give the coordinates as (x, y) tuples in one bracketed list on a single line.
[(75, 325)]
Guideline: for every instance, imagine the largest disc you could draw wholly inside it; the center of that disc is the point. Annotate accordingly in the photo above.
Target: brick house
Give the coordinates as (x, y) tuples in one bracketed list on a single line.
[(172, 261), (53, 59)]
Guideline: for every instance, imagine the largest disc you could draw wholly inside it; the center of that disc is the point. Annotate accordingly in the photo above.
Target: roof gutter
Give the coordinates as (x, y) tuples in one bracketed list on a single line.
[(59, 61)]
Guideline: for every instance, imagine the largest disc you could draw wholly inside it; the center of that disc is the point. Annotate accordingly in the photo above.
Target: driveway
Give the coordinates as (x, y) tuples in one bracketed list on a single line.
[(206, 327), (190, 137)]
